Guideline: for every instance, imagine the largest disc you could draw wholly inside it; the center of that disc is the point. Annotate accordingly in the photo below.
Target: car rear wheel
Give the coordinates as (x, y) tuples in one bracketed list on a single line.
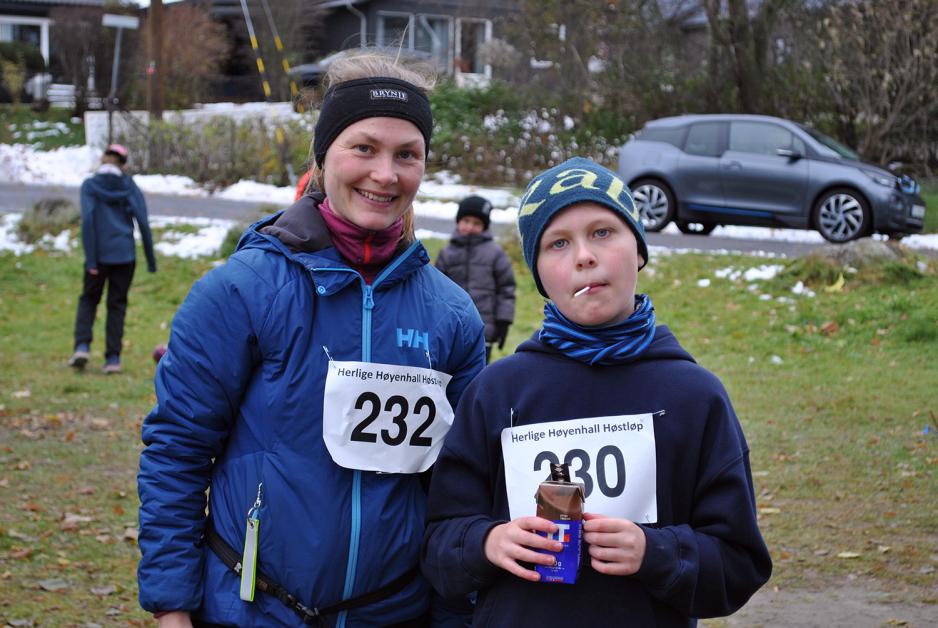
[(842, 215), (655, 203), (695, 228)]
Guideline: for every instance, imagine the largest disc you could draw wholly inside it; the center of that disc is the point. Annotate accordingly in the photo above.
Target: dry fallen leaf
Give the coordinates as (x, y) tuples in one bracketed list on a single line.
[(848, 555), (768, 510), (130, 534), (52, 584), (105, 590)]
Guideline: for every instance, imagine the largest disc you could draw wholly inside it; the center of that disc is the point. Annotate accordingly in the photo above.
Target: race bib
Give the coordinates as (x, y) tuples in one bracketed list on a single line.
[(384, 417), (613, 457)]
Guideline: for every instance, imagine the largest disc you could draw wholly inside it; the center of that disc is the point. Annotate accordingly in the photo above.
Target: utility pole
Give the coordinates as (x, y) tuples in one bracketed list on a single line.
[(155, 68), (294, 90)]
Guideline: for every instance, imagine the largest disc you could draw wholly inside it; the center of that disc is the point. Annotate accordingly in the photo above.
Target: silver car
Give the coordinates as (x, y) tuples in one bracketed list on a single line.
[(701, 171)]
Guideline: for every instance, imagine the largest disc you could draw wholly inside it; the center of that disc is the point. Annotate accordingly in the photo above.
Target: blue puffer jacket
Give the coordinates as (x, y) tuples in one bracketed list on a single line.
[(242, 383)]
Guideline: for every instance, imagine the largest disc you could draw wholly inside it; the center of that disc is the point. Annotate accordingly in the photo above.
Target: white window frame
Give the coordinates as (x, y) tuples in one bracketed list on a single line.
[(410, 28), (42, 22), (487, 71), (451, 47)]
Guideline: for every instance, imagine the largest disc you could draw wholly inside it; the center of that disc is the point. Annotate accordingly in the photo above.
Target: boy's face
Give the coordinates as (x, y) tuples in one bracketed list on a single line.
[(587, 246), (469, 225)]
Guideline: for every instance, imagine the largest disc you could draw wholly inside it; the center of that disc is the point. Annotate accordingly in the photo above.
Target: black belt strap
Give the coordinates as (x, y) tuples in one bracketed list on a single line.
[(310, 616)]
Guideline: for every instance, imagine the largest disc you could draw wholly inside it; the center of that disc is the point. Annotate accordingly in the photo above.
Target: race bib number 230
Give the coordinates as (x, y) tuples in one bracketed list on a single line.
[(385, 417), (613, 457)]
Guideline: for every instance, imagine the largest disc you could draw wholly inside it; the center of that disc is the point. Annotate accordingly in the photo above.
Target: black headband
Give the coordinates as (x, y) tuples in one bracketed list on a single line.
[(351, 101)]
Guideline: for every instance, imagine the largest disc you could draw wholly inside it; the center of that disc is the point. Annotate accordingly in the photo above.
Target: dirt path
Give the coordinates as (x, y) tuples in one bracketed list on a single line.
[(856, 604)]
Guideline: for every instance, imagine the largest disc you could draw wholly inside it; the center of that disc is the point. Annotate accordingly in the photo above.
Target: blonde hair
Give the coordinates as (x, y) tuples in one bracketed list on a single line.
[(369, 63)]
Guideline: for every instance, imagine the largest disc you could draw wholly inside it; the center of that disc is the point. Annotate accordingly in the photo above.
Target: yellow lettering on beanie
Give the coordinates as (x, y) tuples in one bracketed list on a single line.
[(526, 207), (574, 178), (616, 187)]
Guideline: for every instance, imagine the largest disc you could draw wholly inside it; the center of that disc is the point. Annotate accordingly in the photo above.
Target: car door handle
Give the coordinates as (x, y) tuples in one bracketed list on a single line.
[(733, 165)]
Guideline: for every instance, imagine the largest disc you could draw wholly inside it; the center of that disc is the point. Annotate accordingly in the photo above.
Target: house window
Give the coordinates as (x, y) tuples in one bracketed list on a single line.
[(472, 34), (395, 31), (32, 30), (432, 35)]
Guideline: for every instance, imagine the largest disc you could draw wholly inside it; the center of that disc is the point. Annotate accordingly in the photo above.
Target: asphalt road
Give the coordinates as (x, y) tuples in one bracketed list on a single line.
[(16, 197)]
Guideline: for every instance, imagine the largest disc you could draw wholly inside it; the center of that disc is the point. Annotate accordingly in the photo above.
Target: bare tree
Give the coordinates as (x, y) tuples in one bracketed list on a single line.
[(881, 61), (624, 56), (194, 46), (77, 42), (740, 36)]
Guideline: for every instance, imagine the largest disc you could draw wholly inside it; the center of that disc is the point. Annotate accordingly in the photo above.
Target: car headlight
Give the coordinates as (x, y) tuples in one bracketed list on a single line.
[(880, 178), (908, 185)]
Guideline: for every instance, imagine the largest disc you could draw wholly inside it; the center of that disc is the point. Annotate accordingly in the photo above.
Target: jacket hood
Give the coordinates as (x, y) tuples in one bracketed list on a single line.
[(300, 227), (664, 346), (110, 187)]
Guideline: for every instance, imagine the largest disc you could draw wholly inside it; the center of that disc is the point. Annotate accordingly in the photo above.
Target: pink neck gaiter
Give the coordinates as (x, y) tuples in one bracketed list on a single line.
[(367, 251)]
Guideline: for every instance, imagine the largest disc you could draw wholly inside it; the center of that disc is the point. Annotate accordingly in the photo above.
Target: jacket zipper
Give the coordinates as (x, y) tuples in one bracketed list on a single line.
[(368, 304)]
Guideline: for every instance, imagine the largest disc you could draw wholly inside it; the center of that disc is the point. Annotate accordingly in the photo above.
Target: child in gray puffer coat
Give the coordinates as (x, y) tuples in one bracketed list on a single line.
[(476, 262)]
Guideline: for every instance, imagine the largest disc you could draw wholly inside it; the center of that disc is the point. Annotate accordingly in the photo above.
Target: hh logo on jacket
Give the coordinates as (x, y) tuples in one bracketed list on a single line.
[(413, 338)]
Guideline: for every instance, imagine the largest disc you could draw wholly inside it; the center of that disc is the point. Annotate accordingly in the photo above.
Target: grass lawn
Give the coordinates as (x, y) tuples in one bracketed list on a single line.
[(45, 131), (835, 393)]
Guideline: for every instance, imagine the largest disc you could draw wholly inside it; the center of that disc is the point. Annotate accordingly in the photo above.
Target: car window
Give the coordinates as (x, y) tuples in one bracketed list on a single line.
[(830, 145), (704, 139), (757, 137), (668, 135), (798, 145)]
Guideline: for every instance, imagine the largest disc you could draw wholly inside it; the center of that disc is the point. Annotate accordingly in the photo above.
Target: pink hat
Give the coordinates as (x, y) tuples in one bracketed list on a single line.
[(118, 150)]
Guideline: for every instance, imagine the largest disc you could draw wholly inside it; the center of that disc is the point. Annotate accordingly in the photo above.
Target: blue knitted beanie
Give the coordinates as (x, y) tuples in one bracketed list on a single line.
[(576, 180)]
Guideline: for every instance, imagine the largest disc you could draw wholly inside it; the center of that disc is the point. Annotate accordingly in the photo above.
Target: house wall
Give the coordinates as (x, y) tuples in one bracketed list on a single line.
[(451, 53), (344, 25)]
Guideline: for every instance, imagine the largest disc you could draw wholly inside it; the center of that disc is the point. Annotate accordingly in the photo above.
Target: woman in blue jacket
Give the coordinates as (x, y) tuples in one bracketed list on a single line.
[(308, 382)]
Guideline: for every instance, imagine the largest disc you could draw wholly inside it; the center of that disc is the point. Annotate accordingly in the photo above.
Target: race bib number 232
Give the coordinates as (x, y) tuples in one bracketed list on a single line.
[(385, 417)]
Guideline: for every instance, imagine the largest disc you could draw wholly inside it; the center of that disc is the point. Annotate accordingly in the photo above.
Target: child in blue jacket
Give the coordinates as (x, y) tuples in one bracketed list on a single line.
[(670, 531), (110, 203)]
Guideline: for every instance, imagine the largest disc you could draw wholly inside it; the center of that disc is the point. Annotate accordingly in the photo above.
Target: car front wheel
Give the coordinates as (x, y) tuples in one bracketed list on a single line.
[(842, 215), (655, 203)]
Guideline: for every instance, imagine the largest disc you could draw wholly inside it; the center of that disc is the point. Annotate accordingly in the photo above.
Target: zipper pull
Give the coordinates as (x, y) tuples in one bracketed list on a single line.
[(249, 555), (369, 301)]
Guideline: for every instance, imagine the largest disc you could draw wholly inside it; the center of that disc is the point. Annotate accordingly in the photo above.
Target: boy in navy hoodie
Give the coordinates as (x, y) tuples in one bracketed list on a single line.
[(670, 531)]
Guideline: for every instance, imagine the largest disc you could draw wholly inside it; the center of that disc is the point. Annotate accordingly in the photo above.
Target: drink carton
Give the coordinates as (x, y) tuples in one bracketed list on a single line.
[(561, 501)]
